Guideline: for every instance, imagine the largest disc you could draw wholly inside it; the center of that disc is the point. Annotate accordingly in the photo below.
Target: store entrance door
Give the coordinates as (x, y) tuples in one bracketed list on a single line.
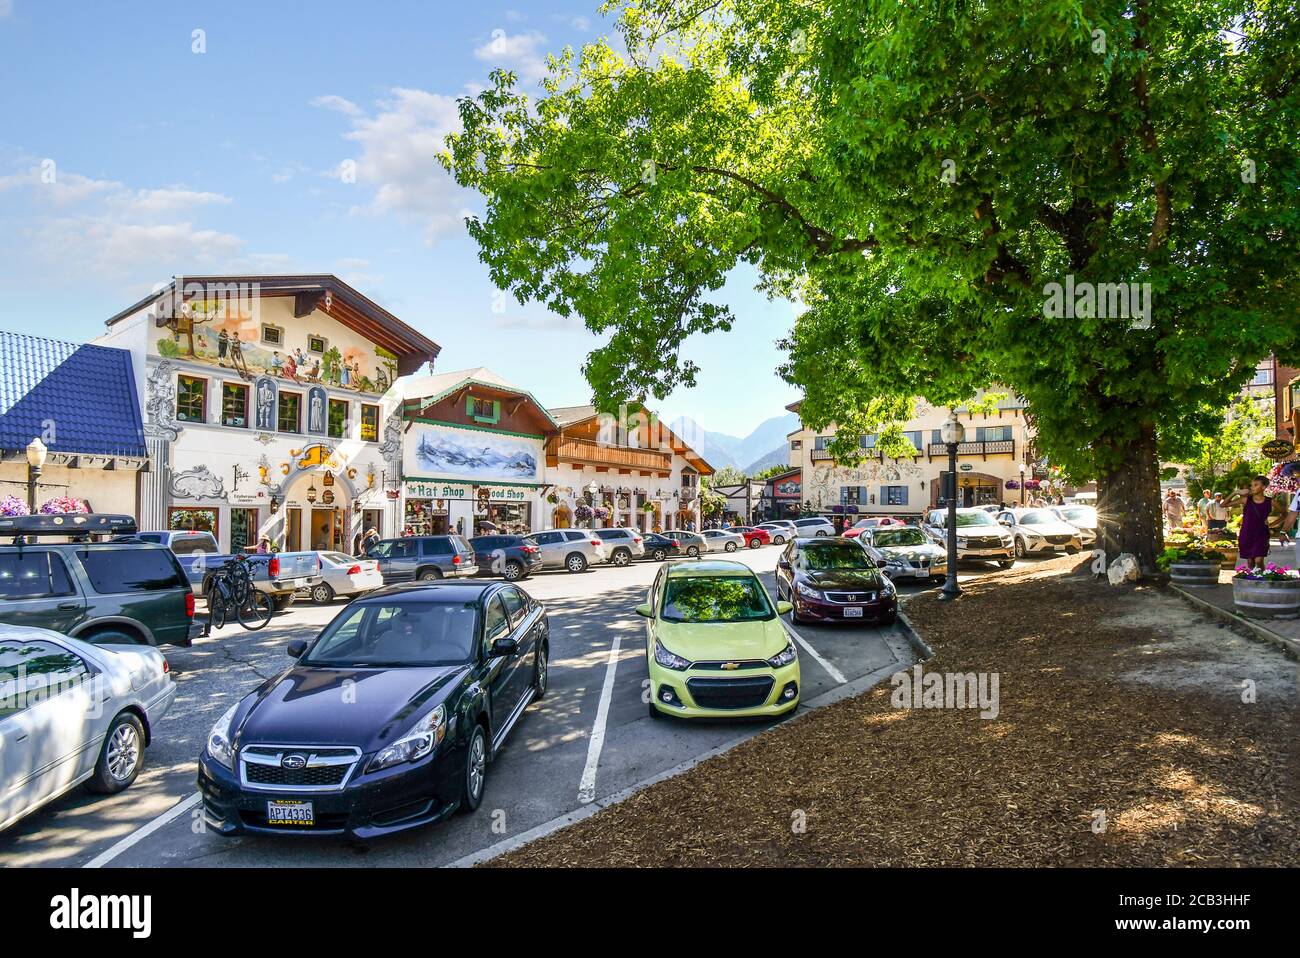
[(326, 530)]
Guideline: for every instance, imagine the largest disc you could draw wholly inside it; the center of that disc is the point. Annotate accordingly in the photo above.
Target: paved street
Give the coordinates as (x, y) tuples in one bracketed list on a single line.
[(537, 777)]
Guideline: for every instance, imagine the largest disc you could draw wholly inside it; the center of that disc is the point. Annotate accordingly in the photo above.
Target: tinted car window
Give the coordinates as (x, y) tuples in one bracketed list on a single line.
[(435, 547), (496, 624), (188, 545), (131, 570), (32, 575), (398, 634), (485, 543), (575, 536), (612, 533), (380, 550), (402, 549), (546, 538), (515, 606)]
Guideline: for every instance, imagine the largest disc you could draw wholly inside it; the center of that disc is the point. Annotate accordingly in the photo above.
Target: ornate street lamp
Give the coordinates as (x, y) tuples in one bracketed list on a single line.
[(36, 453), (952, 433), (1022, 483), (311, 492)]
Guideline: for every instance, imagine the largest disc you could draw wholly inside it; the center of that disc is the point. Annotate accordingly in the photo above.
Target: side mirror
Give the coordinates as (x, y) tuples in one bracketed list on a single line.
[(881, 562), (783, 563), (296, 648), (505, 647), (784, 608), (644, 610)]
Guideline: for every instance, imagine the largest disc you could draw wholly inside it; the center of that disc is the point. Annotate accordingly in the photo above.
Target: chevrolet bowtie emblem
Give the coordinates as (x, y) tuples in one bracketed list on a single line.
[(730, 666)]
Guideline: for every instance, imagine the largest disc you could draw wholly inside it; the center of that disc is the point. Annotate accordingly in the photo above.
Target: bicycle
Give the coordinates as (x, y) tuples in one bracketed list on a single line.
[(231, 589)]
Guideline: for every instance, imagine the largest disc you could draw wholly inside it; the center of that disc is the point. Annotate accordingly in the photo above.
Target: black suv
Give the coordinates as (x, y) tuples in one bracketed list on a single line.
[(511, 557), (109, 593), (423, 558)]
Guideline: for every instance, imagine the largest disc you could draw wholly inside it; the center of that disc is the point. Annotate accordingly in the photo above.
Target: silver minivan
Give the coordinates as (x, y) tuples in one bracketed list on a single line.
[(572, 549)]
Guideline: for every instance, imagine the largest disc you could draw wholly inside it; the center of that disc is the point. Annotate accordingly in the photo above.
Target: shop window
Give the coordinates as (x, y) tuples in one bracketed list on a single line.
[(289, 415), (369, 423), (483, 410), (243, 530), (338, 419), (234, 405), (191, 399), (893, 495), (272, 335), (317, 344), (852, 495)]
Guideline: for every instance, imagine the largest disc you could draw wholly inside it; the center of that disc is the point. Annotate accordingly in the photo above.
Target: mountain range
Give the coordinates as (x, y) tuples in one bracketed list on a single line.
[(763, 447)]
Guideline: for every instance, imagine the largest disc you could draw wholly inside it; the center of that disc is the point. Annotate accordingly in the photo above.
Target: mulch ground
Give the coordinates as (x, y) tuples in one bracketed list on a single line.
[(1084, 765)]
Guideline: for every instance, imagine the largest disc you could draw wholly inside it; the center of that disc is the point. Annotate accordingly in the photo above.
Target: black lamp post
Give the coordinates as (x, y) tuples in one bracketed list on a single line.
[(1022, 483), (952, 433)]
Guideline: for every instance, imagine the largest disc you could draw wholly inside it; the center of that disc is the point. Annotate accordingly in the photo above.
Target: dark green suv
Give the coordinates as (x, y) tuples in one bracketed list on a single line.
[(109, 593)]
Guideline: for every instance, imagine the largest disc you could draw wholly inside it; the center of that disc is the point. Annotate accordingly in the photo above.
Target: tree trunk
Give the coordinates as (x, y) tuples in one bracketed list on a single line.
[(1128, 505)]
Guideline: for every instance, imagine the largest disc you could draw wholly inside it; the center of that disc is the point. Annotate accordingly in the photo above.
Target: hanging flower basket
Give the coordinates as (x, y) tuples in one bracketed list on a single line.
[(1284, 478), (553, 499), (582, 512), (648, 508), (62, 505), (13, 506), (1013, 483)]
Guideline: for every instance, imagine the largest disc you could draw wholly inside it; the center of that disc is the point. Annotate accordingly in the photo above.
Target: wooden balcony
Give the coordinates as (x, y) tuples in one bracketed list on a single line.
[(993, 447), (587, 452)]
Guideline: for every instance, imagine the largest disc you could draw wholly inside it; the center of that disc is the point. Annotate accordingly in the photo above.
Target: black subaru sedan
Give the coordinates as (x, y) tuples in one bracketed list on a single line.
[(388, 719)]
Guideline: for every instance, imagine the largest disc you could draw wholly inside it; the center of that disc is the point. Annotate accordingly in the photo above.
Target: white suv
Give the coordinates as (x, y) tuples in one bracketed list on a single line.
[(623, 544), (818, 526)]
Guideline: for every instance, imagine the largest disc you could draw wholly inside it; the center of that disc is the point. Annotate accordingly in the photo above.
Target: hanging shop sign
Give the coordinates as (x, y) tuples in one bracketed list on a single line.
[(504, 493), (1278, 449), (432, 489)]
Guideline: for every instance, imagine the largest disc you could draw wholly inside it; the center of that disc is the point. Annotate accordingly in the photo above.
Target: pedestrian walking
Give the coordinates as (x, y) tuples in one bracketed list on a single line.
[(1203, 504), (1253, 540), (1173, 508), (1216, 513)]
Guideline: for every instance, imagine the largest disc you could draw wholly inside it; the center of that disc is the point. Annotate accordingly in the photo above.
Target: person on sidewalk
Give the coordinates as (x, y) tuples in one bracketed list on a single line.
[(1202, 504), (1288, 524), (1173, 510), (1254, 540), (1216, 513)]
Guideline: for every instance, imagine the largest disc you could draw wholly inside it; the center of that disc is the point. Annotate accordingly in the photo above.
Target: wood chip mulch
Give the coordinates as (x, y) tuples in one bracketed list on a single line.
[(1083, 766)]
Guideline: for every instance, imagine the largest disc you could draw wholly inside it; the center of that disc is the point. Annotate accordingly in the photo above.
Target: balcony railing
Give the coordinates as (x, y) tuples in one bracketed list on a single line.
[(588, 452), (991, 447)]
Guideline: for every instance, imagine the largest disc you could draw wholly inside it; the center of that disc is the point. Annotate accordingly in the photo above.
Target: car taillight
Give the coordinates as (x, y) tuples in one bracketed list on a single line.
[(595, 542), (636, 538), (273, 568), (189, 607), (355, 570), (529, 549), (455, 560), (166, 668)]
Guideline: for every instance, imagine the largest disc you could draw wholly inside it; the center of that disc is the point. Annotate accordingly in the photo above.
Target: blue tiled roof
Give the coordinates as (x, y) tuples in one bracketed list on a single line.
[(87, 391)]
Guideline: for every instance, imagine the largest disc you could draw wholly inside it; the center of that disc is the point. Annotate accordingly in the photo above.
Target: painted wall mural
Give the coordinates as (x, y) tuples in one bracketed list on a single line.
[(264, 400), (473, 454), (230, 335)]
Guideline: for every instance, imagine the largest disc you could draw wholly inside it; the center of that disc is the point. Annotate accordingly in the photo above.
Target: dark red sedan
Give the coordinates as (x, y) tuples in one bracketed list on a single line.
[(834, 580)]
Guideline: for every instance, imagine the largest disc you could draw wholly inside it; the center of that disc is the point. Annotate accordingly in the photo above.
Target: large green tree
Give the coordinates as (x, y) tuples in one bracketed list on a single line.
[(919, 174)]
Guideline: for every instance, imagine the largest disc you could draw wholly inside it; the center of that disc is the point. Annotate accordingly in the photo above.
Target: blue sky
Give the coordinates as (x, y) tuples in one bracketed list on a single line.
[(169, 161)]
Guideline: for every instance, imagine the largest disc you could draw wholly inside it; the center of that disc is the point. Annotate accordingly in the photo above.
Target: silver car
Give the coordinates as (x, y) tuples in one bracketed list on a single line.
[(1040, 531), (693, 543), (73, 713), (623, 544), (905, 552), (779, 529), (978, 535), (816, 526), (722, 540), (571, 549), (1083, 518)]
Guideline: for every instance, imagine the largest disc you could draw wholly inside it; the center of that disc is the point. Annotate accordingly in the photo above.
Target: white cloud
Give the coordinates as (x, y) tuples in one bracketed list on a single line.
[(397, 160), (332, 102), (143, 204), (520, 52), (113, 248)]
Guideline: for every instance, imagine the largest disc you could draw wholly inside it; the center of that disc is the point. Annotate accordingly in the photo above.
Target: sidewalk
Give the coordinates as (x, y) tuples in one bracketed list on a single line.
[(1284, 633)]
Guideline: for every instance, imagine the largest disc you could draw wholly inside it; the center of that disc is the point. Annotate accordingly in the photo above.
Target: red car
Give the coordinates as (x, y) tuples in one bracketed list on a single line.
[(875, 523), (753, 537)]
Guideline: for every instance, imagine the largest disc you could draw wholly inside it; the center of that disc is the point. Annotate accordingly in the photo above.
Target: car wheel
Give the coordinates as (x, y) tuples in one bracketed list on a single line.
[(1020, 548), (429, 575), (322, 594), (659, 555), (576, 562), (754, 543), (113, 637), (821, 532), (654, 711), (693, 551), (730, 547), (621, 557), (780, 540), (540, 673), (471, 794), (513, 571), (120, 758), (1006, 563)]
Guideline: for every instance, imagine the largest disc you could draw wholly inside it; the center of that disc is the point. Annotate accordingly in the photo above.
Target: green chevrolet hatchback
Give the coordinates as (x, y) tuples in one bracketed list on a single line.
[(110, 593)]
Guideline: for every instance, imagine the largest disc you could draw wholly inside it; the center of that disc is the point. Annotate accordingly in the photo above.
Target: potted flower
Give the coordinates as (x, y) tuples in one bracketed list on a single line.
[(553, 499), (648, 508), (582, 512), (1269, 593), (13, 506), (62, 505), (1226, 543), (1194, 565)]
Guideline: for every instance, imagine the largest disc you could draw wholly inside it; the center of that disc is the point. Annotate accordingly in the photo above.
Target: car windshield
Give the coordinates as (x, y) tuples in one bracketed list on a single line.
[(884, 538), (823, 556), (1085, 514), (732, 598), (1039, 517), (398, 634), (968, 519)]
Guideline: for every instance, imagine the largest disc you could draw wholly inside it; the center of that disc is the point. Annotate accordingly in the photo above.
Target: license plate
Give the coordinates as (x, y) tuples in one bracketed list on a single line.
[(852, 613), (288, 811), (921, 573), (300, 583)]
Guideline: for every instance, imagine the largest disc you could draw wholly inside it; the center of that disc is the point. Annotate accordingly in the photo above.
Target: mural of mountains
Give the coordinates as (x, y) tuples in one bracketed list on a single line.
[(720, 449)]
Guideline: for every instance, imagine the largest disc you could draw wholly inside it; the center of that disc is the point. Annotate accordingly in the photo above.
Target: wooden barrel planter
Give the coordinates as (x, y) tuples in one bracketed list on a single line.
[(1194, 573), (1230, 555), (1267, 599)]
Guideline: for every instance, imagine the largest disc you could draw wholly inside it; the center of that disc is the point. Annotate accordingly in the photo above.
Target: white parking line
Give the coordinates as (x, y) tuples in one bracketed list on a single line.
[(144, 831), (831, 670), (587, 787)]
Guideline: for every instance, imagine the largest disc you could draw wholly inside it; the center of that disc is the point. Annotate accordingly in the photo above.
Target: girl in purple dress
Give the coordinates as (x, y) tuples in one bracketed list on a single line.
[(1253, 540)]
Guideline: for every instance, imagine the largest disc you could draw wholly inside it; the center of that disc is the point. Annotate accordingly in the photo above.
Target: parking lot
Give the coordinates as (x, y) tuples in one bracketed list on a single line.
[(589, 739)]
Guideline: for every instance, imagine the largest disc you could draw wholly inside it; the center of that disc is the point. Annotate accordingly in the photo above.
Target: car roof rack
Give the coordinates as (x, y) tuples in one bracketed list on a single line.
[(67, 524)]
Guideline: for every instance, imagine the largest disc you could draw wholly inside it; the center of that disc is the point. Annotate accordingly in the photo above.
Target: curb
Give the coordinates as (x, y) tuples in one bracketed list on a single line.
[(861, 684), (905, 626), (1242, 625)]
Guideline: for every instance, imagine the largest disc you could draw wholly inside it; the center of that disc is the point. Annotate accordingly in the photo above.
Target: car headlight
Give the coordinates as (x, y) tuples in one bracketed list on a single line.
[(219, 747), (1006, 540), (421, 739), (784, 657), (807, 590), (670, 660)]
